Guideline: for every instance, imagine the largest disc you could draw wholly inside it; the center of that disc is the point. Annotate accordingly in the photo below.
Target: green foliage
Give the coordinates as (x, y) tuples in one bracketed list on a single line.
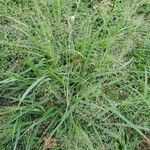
[(74, 70)]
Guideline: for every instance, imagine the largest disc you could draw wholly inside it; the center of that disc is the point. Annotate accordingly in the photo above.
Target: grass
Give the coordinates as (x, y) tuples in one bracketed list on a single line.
[(77, 71)]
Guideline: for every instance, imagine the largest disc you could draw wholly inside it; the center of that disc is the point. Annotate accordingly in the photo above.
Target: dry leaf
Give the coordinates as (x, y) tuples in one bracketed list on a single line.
[(147, 142), (49, 142), (144, 145)]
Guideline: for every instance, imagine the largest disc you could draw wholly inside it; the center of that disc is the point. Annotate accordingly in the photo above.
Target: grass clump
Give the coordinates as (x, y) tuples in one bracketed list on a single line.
[(77, 71)]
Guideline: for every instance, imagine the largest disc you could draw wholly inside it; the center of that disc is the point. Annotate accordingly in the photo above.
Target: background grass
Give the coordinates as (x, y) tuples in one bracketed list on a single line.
[(77, 71)]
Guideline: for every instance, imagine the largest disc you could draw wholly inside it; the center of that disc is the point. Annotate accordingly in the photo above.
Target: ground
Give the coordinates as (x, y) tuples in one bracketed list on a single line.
[(75, 71)]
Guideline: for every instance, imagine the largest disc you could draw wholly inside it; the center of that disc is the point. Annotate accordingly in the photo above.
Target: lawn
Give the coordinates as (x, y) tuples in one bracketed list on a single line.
[(75, 74)]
